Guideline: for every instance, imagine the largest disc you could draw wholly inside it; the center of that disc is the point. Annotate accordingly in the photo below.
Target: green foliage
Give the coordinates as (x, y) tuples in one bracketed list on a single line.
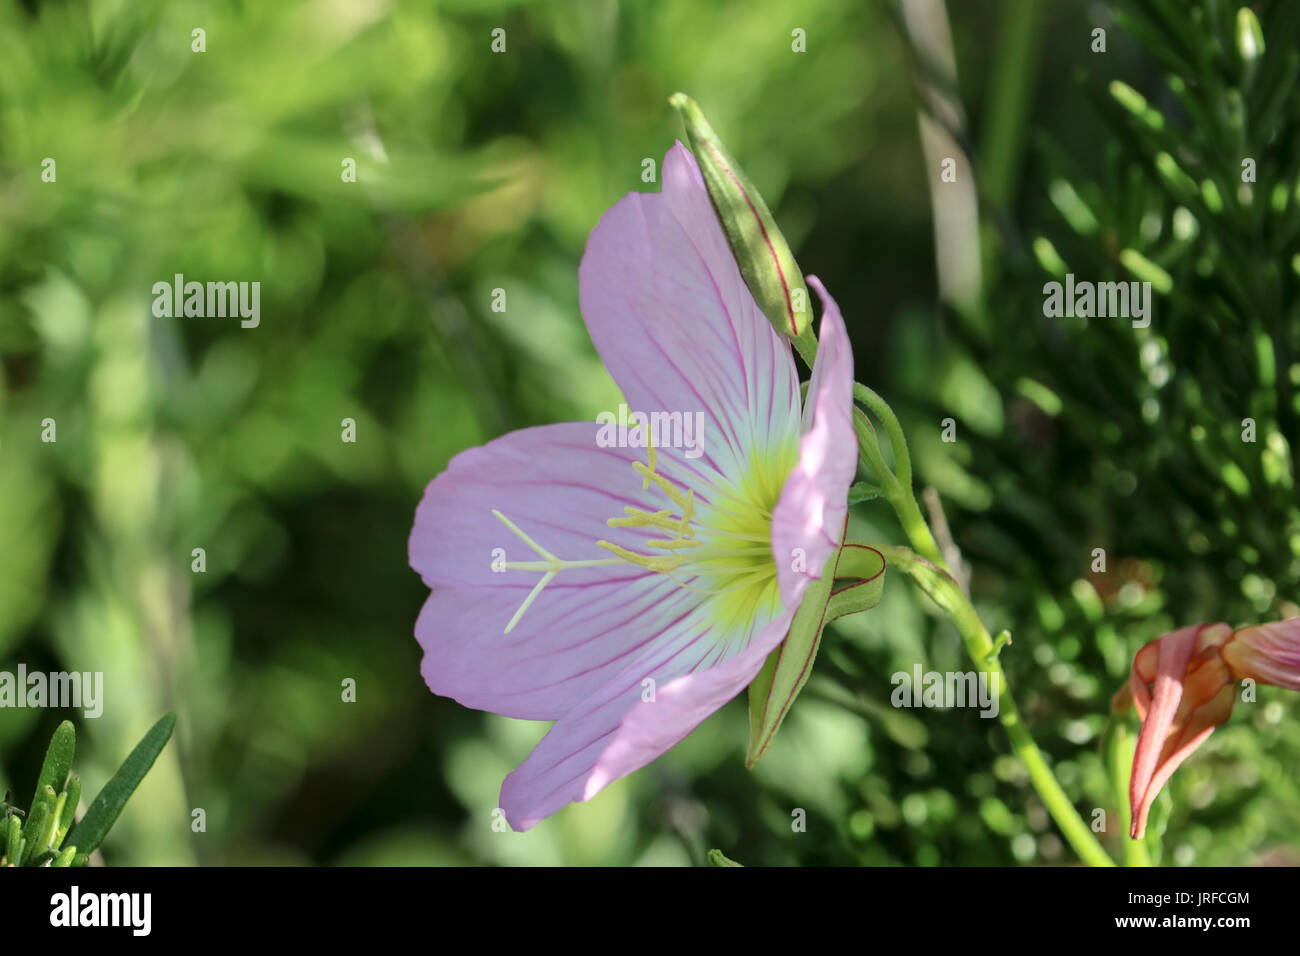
[(105, 808), (1170, 447), (39, 841)]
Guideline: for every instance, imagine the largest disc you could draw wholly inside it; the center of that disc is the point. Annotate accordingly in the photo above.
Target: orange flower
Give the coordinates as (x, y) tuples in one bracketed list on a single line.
[(1194, 672)]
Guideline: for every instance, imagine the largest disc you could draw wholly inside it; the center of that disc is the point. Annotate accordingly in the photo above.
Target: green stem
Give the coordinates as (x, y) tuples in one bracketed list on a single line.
[(935, 580), (898, 494), (931, 573), (1135, 851)]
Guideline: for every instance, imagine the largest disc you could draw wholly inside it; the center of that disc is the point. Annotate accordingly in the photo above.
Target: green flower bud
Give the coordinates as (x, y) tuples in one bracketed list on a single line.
[(1250, 37), (760, 250)]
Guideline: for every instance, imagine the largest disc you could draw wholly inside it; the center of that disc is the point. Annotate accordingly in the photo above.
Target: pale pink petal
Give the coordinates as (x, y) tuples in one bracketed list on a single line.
[(808, 521), (677, 327), (558, 486), (1267, 652), (617, 731)]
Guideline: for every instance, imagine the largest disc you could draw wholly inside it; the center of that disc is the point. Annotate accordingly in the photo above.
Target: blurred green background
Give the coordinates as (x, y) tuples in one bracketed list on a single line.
[(479, 171)]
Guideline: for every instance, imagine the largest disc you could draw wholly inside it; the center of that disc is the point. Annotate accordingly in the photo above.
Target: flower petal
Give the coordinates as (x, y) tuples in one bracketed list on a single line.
[(1174, 651), (1267, 652), (808, 521), (558, 486), (617, 731), (677, 327), (1187, 703), (1207, 702)]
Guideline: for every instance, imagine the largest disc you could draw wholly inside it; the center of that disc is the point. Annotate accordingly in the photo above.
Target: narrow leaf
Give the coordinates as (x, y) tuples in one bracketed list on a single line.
[(72, 796), (13, 840), (103, 812), (716, 858), (58, 760), (31, 832)]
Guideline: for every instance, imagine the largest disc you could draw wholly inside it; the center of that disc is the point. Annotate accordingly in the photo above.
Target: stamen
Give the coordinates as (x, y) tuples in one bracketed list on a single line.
[(662, 563), (673, 544), (661, 482), (645, 519), (685, 551)]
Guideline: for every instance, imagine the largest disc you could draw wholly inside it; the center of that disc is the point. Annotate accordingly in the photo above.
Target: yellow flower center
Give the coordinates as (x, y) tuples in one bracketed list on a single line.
[(721, 548)]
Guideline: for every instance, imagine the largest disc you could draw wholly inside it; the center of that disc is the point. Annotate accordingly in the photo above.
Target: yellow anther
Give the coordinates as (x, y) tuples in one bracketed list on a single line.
[(661, 563), (644, 519), (673, 545), (688, 514), (662, 483)]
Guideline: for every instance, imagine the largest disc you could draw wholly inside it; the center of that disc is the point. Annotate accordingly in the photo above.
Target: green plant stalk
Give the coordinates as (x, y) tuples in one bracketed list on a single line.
[(896, 493), (931, 573), (1135, 851)]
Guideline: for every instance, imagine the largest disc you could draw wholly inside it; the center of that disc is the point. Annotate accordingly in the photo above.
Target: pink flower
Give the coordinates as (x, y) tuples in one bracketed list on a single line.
[(626, 593), (1195, 671)]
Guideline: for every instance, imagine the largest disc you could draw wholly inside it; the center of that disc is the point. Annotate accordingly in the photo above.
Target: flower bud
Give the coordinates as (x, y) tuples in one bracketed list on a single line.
[(761, 251)]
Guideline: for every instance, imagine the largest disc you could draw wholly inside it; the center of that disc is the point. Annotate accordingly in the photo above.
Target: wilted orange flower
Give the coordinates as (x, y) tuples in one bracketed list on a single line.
[(1194, 672)]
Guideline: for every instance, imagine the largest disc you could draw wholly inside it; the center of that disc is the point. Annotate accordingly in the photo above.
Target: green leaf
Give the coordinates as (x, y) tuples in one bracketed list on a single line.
[(716, 858), (65, 858), (13, 839), (99, 819), (35, 826), (71, 797), (58, 760)]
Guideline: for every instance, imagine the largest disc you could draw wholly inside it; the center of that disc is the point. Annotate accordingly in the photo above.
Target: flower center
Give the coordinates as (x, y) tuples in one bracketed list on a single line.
[(721, 548)]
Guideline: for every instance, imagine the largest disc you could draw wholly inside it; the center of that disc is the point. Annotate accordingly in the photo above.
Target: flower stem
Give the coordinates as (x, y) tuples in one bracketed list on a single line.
[(1121, 754), (929, 570)]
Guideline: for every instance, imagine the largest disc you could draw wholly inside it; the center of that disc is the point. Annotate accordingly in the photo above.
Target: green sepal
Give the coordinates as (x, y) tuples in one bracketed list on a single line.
[(104, 809), (58, 760), (760, 249), (865, 567), (787, 668)]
